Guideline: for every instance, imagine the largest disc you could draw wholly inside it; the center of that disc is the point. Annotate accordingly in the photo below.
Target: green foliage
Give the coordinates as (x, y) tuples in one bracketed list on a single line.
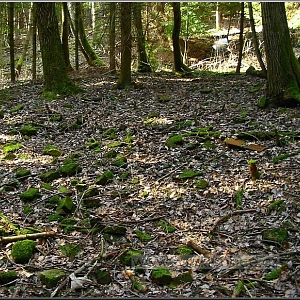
[(70, 250), (65, 206), (189, 174), (105, 178), (11, 147), (21, 172), (17, 108), (166, 227), (27, 209), (28, 130), (279, 204), (143, 236), (274, 274), (184, 250), (201, 184), (239, 198), (174, 140)]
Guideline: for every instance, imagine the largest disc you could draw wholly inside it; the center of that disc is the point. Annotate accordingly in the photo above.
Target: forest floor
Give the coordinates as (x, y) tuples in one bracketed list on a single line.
[(194, 189)]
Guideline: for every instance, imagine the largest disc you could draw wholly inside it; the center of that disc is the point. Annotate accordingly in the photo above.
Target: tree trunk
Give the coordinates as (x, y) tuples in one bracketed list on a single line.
[(93, 60), (283, 69), (33, 12), (143, 64), (125, 72), (241, 39), (254, 39), (11, 41), (112, 37), (178, 63), (65, 36), (56, 79)]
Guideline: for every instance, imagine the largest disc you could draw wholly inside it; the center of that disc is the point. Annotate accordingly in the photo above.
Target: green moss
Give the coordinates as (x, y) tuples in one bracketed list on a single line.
[(30, 194), (201, 184), (131, 257), (262, 102), (279, 235), (116, 144), (238, 289), (11, 147), (94, 144), (22, 251), (49, 176), (17, 108), (183, 278), (110, 133), (189, 174), (70, 169), (120, 161), (54, 218), (166, 227), (20, 172), (143, 236), (70, 250), (278, 158), (239, 198), (163, 98), (184, 250), (47, 186), (27, 209), (135, 181), (55, 117), (28, 130), (161, 275), (205, 91), (279, 204), (174, 141), (67, 105), (274, 274), (52, 150), (105, 178), (103, 277), (7, 277), (51, 278), (110, 154), (65, 206)]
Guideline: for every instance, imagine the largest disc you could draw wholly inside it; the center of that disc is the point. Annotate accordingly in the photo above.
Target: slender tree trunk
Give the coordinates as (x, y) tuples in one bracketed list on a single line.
[(143, 64), (178, 63), (34, 28), (254, 39), (65, 36), (11, 41), (112, 37), (241, 39), (283, 69), (125, 73), (94, 60), (56, 79)]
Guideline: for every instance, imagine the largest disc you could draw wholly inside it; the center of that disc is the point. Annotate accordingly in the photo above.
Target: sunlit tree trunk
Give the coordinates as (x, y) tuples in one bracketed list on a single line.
[(125, 72), (254, 39), (283, 69), (241, 39), (56, 79), (11, 40), (112, 37), (143, 64), (178, 62)]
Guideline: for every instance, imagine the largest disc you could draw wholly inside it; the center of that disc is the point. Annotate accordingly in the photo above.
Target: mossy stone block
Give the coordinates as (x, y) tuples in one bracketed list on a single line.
[(120, 161), (52, 150), (20, 172), (65, 206), (174, 141), (49, 176), (143, 236), (103, 277), (105, 178), (185, 277), (131, 257), (22, 251), (50, 278), (30, 194), (7, 277), (278, 235), (70, 169), (28, 130), (184, 250), (161, 275)]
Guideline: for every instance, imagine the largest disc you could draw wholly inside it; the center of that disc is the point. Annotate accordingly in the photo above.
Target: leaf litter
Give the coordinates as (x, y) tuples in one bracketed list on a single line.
[(224, 221)]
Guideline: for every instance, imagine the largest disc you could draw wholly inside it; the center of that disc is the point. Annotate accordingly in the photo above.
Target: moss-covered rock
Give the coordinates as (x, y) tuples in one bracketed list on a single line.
[(22, 251), (50, 278), (7, 277), (143, 236), (131, 257), (184, 250), (185, 277), (52, 150), (278, 235), (50, 175), (174, 141), (161, 275), (65, 206), (105, 178), (70, 169), (120, 161), (103, 277), (92, 143), (28, 130), (30, 194), (274, 274), (20, 172), (201, 184), (11, 147)]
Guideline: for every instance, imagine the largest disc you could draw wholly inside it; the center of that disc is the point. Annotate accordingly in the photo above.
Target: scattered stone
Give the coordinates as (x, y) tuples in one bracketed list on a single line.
[(22, 251), (50, 278), (131, 257), (8, 276), (30, 194), (161, 276)]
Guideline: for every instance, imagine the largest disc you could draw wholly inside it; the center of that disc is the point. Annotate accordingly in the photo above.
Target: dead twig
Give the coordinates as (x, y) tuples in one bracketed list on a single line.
[(30, 236)]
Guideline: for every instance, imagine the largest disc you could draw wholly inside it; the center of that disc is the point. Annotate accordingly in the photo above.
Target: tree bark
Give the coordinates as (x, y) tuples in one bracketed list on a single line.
[(143, 63), (125, 72), (178, 63), (283, 69), (11, 41), (254, 39), (33, 12), (241, 39), (65, 36), (112, 37), (56, 79)]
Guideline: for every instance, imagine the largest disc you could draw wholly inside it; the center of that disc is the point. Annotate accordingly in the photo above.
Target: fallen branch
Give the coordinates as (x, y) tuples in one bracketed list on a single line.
[(227, 216), (30, 236), (197, 248)]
